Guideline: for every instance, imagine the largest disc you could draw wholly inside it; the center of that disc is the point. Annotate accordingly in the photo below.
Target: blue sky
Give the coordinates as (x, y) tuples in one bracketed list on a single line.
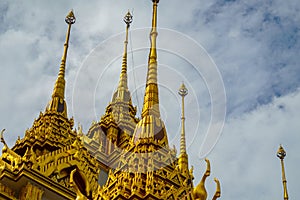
[(254, 46)]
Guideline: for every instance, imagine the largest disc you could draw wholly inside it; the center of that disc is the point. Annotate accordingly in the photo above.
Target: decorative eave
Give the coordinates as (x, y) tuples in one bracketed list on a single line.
[(49, 131), (24, 175), (114, 118), (55, 165), (166, 176)]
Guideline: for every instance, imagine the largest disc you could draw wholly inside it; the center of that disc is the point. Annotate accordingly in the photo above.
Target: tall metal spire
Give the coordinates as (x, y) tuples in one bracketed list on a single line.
[(59, 89), (183, 157), (182, 92), (57, 102), (123, 85), (151, 100), (281, 154), (151, 126)]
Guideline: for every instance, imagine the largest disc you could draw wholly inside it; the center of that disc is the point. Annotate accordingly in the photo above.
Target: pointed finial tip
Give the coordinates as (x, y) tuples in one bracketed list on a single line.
[(128, 18), (281, 152), (183, 91), (70, 18)]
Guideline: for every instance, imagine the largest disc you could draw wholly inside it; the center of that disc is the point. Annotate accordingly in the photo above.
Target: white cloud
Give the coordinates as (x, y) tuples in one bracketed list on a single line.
[(255, 45), (245, 157)]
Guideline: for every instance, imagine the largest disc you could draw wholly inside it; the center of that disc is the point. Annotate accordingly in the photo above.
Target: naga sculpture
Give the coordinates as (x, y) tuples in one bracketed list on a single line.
[(200, 192), (79, 196)]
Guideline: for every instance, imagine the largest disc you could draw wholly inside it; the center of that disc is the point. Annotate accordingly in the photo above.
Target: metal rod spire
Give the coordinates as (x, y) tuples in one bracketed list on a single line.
[(281, 154), (59, 88), (123, 77), (183, 157), (182, 92), (57, 103)]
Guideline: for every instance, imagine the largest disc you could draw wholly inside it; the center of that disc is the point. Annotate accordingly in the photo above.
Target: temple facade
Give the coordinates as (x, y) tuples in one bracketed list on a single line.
[(122, 156)]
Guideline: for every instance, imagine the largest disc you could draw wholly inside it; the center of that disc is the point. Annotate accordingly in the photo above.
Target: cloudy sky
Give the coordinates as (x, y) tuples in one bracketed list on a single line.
[(246, 50)]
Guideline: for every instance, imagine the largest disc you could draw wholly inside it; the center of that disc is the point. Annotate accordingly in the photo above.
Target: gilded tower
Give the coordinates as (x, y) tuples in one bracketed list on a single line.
[(121, 156), (148, 168), (108, 137), (39, 165)]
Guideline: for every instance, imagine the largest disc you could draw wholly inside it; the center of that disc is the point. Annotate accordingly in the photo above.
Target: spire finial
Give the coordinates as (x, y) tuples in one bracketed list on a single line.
[(57, 103), (128, 19), (281, 155)]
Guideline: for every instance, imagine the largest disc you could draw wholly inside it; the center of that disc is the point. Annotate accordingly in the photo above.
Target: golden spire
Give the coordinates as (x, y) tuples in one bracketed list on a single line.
[(151, 126), (183, 157), (151, 101), (57, 102), (281, 154), (123, 87)]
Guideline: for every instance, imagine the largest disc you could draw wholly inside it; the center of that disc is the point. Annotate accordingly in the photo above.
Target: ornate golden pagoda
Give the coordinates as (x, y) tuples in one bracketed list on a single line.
[(147, 167), (106, 138), (121, 156), (39, 165)]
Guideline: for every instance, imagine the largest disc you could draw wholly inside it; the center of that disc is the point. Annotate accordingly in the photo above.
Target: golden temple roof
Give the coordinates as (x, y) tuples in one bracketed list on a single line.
[(132, 156)]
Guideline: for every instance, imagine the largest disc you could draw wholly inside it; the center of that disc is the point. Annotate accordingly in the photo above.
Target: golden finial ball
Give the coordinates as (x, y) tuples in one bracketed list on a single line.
[(183, 91), (70, 18), (281, 153), (128, 18)]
